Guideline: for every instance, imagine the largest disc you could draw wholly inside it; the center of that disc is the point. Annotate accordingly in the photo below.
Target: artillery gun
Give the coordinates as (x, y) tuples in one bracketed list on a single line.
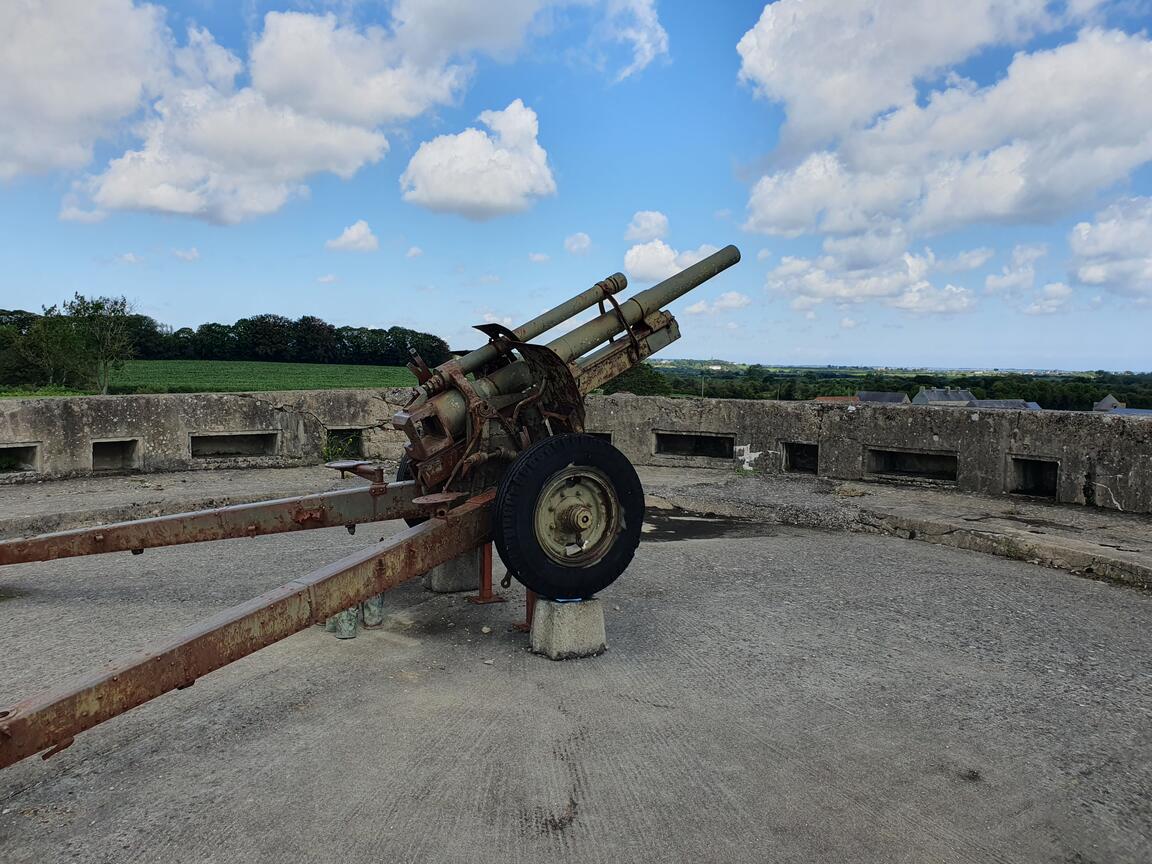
[(496, 453)]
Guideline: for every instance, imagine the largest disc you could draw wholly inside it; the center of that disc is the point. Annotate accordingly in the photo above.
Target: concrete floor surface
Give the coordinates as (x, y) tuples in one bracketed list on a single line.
[(770, 693)]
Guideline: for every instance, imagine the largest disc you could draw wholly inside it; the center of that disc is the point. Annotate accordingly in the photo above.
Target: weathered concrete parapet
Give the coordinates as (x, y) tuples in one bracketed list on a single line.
[(60, 437), (1072, 457), (747, 433), (1066, 456)]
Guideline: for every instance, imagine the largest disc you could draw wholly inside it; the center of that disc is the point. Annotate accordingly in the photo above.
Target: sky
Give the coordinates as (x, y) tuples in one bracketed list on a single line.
[(921, 183)]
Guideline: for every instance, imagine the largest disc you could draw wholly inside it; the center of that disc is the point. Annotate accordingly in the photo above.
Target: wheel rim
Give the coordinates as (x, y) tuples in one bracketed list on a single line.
[(577, 516)]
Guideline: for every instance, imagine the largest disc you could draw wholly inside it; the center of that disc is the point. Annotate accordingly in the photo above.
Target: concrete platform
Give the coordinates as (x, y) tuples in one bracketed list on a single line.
[(773, 693), (1098, 543)]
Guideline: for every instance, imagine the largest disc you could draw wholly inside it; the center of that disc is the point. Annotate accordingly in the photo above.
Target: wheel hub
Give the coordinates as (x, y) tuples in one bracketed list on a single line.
[(577, 516)]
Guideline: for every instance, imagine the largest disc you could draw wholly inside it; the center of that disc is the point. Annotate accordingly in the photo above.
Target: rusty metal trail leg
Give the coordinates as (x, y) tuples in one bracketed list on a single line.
[(486, 594), (53, 718), (374, 503), (529, 612)]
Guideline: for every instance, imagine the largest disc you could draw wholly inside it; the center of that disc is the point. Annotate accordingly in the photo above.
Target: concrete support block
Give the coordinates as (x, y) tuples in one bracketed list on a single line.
[(346, 623), (459, 574), (372, 611), (561, 631)]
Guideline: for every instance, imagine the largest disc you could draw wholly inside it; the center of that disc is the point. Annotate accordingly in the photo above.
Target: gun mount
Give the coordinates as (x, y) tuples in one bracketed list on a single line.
[(496, 453)]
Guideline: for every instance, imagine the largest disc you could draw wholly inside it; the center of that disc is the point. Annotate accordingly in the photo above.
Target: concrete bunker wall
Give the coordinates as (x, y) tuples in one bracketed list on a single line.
[(62, 437), (1070, 457), (1066, 456)]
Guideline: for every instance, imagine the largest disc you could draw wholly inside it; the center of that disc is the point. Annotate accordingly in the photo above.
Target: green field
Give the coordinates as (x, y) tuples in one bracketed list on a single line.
[(215, 376)]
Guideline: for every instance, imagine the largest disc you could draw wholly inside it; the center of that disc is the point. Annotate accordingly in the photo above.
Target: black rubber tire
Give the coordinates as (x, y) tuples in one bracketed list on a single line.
[(404, 472), (513, 528)]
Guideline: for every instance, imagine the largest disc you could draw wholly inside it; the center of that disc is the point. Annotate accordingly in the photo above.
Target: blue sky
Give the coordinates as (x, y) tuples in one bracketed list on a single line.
[(935, 184)]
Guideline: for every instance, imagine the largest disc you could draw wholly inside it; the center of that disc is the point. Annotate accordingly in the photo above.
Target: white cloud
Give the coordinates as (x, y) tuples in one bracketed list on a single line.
[(203, 63), (727, 301), (319, 90), (538, 257), (1050, 299), (822, 193), (357, 237), (861, 251), (1062, 124), (316, 89), (225, 155), (327, 279), (70, 71), (228, 158), (647, 225), (656, 260), (902, 283), (732, 300), (836, 64), (492, 318), (190, 254), (480, 175), (763, 255), (636, 23), (431, 30), (970, 259), (414, 252), (847, 323), (578, 243), (70, 211), (129, 258), (316, 66), (1020, 273), (925, 299), (1115, 251)]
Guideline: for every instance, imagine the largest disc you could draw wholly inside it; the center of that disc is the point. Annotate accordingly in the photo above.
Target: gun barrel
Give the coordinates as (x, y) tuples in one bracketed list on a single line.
[(635, 309), (452, 407), (544, 322)]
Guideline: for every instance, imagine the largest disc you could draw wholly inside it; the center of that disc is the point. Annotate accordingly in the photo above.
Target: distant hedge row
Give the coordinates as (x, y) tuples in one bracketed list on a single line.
[(79, 344)]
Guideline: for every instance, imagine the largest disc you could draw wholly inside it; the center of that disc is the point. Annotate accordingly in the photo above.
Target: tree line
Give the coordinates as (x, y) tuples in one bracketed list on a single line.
[(1063, 392), (80, 343)]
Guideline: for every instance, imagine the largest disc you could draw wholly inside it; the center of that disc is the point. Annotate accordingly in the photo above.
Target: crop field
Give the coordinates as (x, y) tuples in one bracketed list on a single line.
[(216, 376)]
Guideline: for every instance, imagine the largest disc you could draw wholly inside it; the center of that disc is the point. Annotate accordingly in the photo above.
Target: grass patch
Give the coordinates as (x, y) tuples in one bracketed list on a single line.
[(222, 376), (17, 393), (344, 444)]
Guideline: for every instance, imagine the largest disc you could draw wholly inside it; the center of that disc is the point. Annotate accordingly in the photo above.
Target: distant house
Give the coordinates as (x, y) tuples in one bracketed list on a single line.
[(1004, 404), (943, 396), (1132, 412), (1109, 403), (883, 396), (837, 400)]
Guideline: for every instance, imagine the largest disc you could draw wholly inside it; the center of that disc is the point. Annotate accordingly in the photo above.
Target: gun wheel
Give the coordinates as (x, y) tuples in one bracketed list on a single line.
[(568, 515)]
